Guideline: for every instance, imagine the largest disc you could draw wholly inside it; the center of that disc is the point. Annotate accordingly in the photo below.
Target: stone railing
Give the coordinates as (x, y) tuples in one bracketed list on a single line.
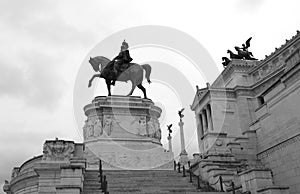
[(218, 185)]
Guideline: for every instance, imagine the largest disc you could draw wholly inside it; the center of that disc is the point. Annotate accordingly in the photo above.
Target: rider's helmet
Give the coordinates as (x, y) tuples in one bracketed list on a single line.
[(124, 46)]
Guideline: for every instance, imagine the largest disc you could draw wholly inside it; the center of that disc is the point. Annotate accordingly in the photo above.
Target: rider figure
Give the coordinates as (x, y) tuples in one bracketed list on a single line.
[(245, 48), (123, 57)]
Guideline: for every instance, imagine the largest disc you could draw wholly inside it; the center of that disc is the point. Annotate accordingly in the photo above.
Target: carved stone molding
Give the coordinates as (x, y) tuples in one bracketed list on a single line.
[(58, 150), (281, 145)]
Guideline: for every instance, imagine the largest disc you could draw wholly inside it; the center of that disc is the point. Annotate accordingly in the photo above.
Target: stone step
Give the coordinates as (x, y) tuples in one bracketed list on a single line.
[(146, 183), (149, 173), (141, 175), (165, 192), (152, 181), (111, 185), (91, 183), (92, 192), (146, 179), (152, 189), (141, 181)]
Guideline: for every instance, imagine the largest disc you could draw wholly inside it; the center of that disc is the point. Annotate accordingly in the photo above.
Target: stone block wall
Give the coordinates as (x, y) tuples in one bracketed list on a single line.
[(284, 161), (279, 134)]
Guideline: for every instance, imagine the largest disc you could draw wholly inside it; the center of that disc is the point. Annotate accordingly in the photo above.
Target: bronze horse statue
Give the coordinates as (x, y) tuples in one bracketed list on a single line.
[(233, 56), (225, 62), (134, 73), (244, 54)]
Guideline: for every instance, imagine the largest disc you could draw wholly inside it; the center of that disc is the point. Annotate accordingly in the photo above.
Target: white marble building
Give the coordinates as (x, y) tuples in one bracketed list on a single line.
[(248, 123)]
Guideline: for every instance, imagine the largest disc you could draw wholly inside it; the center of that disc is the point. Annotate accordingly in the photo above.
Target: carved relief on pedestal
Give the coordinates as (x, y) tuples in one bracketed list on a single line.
[(139, 125), (92, 128), (151, 128), (98, 130), (157, 129), (58, 150), (108, 124), (142, 126)]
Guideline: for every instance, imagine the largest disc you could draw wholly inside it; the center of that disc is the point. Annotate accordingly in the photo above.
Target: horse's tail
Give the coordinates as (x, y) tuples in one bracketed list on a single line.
[(147, 68)]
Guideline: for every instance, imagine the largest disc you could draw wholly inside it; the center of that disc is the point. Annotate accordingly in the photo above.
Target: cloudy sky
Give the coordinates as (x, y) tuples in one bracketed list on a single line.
[(44, 43)]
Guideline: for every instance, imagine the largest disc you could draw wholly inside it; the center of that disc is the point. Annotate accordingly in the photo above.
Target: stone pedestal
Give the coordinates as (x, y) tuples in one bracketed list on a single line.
[(183, 158), (124, 132)]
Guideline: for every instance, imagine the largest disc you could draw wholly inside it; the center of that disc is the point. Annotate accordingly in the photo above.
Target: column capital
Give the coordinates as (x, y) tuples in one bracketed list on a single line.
[(206, 106), (202, 112)]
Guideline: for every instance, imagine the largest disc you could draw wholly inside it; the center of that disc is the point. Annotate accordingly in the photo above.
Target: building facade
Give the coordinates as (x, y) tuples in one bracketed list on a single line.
[(248, 123)]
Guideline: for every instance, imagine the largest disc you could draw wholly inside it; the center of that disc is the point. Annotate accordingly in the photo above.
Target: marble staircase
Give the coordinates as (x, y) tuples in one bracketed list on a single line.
[(150, 181)]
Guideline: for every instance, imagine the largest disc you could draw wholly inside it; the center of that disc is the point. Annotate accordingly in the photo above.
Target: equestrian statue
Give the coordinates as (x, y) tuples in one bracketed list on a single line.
[(243, 52), (120, 69)]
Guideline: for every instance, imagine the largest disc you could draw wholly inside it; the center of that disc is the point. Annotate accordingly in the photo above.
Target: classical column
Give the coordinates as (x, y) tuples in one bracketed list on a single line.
[(183, 154), (200, 132), (203, 116), (182, 137), (201, 125), (209, 119), (170, 143)]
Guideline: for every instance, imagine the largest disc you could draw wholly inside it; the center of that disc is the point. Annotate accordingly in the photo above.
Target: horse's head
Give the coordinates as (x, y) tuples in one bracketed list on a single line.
[(94, 64), (237, 48), (229, 51), (97, 61)]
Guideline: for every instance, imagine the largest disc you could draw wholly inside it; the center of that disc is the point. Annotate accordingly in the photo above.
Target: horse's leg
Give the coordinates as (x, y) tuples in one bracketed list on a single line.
[(91, 80), (140, 86), (132, 88), (108, 82)]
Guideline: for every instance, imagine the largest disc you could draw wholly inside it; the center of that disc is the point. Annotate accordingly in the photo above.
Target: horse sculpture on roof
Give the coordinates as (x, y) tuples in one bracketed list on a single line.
[(242, 52)]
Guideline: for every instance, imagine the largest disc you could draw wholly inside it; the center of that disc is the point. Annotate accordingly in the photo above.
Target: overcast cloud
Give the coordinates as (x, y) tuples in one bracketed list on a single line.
[(44, 42)]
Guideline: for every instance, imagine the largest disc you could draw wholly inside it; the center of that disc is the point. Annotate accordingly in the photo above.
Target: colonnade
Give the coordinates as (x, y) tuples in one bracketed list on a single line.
[(204, 121)]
